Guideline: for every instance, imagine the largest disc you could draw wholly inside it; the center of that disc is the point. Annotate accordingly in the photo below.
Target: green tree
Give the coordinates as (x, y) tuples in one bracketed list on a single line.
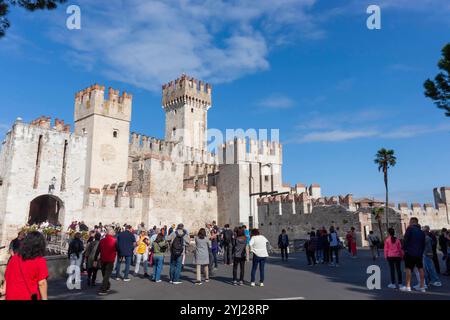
[(385, 159), (439, 89), (30, 5)]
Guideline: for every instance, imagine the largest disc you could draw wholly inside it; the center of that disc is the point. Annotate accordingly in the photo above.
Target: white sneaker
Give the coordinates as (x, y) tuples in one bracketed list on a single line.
[(437, 284), (405, 289), (252, 284), (417, 287), (422, 290), (177, 282), (392, 286), (261, 284)]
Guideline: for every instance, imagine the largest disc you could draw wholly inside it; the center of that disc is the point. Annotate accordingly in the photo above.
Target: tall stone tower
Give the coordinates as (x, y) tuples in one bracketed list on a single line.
[(186, 102), (106, 123)]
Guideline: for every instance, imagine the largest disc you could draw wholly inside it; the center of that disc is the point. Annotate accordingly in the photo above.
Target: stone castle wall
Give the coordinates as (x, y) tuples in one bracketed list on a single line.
[(298, 213)]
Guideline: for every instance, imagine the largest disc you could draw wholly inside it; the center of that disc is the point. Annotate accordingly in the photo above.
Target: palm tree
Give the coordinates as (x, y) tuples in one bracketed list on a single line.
[(385, 159), (378, 213)]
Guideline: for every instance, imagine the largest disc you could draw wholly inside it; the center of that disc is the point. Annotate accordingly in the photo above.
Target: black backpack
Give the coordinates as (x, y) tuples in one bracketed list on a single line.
[(163, 248), (178, 245), (227, 236)]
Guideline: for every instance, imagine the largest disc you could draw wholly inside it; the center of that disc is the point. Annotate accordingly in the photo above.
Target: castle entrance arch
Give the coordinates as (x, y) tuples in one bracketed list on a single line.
[(45, 208)]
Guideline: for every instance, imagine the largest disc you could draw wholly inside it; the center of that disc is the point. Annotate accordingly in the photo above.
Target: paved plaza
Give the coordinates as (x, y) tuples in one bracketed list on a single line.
[(292, 280)]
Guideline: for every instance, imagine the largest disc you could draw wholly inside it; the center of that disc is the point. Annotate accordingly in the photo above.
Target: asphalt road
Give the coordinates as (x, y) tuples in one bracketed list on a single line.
[(284, 280)]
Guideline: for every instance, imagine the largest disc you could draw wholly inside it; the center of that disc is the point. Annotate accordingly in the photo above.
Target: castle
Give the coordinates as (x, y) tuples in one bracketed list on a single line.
[(102, 172)]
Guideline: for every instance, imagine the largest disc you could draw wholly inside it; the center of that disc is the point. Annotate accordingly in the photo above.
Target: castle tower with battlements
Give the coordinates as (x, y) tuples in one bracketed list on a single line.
[(106, 124), (186, 102)]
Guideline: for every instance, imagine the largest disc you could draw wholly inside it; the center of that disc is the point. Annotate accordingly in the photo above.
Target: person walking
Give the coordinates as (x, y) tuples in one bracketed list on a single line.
[(374, 243), (126, 242), (326, 245), (26, 272), (107, 250), (310, 249), (414, 246), (89, 255), (227, 244), (443, 245), (351, 242), (214, 249), (431, 275), (239, 256), (75, 255), (142, 253), (258, 246), (159, 247), (283, 245), (201, 255), (435, 253), (179, 241), (393, 253), (333, 239)]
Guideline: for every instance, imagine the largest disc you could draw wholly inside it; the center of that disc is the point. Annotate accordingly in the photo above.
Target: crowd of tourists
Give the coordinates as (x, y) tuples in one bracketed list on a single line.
[(119, 251)]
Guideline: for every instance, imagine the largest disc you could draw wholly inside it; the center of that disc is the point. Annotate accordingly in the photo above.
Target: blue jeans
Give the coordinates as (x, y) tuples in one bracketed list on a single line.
[(319, 255), (261, 262), (430, 271), (127, 266), (175, 268), (158, 262)]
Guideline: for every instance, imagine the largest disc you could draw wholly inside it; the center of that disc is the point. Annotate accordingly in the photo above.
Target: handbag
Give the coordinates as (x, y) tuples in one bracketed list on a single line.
[(34, 296)]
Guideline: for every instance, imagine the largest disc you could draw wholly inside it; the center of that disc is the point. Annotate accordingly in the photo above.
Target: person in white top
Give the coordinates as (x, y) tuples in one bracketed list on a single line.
[(258, 246)]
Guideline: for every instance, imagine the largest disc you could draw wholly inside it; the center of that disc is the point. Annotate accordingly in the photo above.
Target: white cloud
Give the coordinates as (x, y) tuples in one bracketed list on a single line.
[(357, 125), (146, 43), (336, 135), (276, 101)]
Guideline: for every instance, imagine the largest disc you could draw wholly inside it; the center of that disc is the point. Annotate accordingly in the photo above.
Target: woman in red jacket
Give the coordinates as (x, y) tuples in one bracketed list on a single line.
[(394, 254), (26, 273)]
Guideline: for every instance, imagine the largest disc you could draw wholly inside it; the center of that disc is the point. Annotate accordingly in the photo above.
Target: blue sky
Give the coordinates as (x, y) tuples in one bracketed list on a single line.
[(337, 91)]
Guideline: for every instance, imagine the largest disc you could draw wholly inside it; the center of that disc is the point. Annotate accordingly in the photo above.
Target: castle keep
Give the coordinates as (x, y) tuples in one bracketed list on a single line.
[(102, 172)]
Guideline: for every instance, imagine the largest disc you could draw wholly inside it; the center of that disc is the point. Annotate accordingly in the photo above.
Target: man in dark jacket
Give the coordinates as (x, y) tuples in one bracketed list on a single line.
[(227, 236), (125, 247), (283, 244), (443, 246), (414, 246)]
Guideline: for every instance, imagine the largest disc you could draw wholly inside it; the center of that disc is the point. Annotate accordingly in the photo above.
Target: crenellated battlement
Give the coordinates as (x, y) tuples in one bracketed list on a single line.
[(46, 123), (241, 150), (142, 145), (304, 202), (92, 101), (186, 90)]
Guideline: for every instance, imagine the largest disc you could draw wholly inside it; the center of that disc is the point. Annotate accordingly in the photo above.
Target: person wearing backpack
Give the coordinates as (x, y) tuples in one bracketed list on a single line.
[(179, 240), (227, 244), (239, 256), (310, 249), (90, 253), (374, 243), (159, 247), (75, 252)]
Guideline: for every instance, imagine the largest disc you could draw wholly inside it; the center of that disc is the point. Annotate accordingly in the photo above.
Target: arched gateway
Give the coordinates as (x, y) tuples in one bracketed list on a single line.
[(45, 208)]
